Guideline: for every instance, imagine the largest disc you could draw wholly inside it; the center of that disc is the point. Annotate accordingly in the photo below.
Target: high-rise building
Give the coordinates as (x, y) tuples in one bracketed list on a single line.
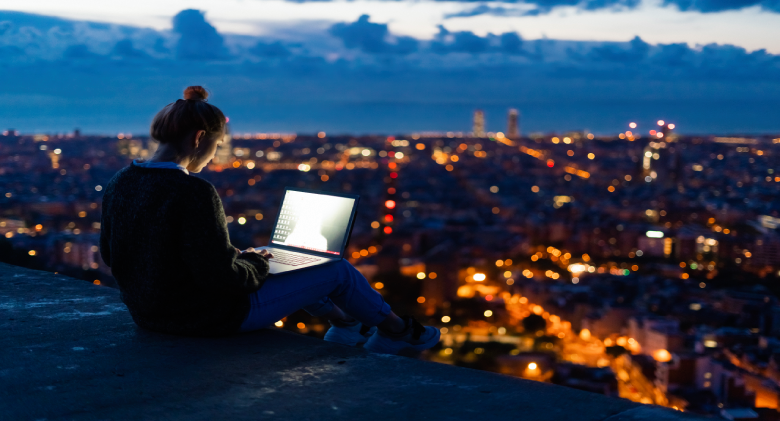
[(479, 123), (225, 150), (513, 124)]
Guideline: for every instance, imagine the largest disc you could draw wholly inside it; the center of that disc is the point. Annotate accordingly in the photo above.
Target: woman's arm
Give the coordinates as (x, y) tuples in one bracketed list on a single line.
[(206, 248)]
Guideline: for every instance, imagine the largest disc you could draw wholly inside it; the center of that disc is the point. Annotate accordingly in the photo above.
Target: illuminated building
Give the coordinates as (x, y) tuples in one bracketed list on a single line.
[(479, 123), (513, 124), (225, 150)]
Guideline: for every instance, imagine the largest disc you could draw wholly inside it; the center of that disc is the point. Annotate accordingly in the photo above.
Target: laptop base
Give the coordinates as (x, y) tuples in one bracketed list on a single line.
[(276, 268)]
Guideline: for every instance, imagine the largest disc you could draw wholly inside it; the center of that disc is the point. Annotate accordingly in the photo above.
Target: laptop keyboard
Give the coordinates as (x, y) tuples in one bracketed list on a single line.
[(292, 259)]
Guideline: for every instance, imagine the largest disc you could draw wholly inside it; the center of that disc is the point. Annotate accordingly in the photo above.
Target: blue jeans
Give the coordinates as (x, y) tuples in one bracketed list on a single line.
[(316, 290)]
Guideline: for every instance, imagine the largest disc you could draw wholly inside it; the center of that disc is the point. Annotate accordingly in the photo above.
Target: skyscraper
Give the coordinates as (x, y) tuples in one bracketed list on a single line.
[(479, 123), (513, 124)]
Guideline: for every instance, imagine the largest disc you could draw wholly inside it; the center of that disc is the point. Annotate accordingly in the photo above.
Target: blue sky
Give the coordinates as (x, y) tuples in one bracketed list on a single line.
[(394, 66)]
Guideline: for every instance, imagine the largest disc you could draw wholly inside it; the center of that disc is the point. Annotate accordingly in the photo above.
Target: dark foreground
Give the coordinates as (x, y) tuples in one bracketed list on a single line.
[(70, 351)]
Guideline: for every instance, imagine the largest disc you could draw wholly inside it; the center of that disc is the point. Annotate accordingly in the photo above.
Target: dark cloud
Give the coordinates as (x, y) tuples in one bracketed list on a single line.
[(674, 55), (270, 50), (545, 6), (710, 6), (542, 6), (125, 49), (511, 43), (459, 42), (199, 40), (468, 42), (372, 38), (637, 50), (160, 47), (484, 9), (78, 52)]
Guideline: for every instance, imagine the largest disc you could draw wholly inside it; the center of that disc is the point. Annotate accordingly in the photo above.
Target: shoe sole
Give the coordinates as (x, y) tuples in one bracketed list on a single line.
[(382, 345), (352, 340)]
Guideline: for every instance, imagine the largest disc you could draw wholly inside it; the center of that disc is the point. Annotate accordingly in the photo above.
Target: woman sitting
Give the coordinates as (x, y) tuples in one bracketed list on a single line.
[(165, 237)]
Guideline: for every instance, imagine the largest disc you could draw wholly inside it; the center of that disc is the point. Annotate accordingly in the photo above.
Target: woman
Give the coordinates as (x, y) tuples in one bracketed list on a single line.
[(165, 238)]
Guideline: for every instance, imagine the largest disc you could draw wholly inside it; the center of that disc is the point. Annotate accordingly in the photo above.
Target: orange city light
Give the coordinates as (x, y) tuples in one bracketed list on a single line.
[(390, 204)]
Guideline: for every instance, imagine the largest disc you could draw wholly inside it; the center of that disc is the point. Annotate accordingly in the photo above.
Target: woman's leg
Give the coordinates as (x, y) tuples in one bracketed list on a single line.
[(318, 290)]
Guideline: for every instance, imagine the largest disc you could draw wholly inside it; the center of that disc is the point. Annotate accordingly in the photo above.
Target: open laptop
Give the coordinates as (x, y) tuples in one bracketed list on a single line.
[(312, 228)]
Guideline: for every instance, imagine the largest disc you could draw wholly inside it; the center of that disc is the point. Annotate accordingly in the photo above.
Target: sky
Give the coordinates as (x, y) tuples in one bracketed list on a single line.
[(394, 66)]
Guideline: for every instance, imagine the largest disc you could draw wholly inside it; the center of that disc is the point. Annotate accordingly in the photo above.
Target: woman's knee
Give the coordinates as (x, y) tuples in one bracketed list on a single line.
[(348, 273)]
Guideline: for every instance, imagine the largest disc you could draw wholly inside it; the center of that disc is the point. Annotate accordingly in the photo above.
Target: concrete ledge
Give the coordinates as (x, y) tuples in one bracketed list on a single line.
[(70, 351)]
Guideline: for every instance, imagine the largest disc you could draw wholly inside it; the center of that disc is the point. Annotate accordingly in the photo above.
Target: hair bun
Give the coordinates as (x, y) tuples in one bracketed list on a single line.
[(196, 93)]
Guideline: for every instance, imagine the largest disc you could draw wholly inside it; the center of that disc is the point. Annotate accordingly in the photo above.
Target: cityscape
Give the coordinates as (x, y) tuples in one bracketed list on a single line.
[(643, 264)]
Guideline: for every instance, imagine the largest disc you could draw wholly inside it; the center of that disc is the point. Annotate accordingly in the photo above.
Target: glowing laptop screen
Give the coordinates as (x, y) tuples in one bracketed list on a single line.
[(311, 221)]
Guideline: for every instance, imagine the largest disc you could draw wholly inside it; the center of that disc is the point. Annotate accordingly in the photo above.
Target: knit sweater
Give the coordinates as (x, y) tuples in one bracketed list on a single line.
[(164, 235)]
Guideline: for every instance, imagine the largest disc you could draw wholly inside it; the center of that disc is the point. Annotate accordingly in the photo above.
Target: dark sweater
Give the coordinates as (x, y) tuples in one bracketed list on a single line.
[(164, 234)]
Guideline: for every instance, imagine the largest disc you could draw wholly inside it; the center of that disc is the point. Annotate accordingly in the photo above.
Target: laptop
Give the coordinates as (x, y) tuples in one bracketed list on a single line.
[(312, 228)]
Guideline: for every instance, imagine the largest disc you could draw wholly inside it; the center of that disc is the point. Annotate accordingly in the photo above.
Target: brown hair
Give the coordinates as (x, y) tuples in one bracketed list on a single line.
[(185, 116)]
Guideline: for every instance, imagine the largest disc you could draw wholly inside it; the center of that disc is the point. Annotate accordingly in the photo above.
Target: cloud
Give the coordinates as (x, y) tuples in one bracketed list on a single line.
[(446, 42), (125, 49), (484, 9), (372, 38), (712, 6), (542, 6), (270, 50), (78, 52), (637, 50), (199, 40), (545, 6), (459, 42), (511, 43)]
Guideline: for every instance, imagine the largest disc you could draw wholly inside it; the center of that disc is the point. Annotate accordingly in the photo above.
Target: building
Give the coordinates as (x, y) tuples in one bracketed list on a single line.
[(513, 124), (479, 123)]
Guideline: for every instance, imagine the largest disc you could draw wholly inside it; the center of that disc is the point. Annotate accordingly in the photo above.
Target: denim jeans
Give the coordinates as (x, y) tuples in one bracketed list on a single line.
[(316, 290)]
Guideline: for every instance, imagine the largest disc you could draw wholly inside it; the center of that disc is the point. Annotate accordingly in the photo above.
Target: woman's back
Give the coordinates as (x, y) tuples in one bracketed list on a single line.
[(164, 235)]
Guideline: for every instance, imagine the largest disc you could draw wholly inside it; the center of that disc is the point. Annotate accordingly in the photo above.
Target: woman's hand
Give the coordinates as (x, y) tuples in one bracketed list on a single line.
[(263, 252)]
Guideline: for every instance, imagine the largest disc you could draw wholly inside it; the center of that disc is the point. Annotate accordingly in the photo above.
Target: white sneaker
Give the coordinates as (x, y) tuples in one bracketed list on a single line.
[(415, 338), (349, 335)]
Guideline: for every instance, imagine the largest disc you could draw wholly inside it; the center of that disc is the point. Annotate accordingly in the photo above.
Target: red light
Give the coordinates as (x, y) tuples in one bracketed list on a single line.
[(391, 154), (390, 204), (391, 190), (652, 132), (489, 297), (388, 230), (227, 119), (393, 175), (550, 163), (389, 218), (390, 138)]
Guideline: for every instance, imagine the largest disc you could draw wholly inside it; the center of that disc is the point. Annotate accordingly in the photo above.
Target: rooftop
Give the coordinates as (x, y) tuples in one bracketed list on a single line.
[(70, 350)]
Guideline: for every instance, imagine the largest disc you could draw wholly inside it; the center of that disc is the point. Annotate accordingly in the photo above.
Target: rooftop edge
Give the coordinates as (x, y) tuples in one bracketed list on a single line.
[(71, 350)]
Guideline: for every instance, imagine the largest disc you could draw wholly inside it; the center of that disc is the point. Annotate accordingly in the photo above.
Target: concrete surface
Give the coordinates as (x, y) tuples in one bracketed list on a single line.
[(69, 350)]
